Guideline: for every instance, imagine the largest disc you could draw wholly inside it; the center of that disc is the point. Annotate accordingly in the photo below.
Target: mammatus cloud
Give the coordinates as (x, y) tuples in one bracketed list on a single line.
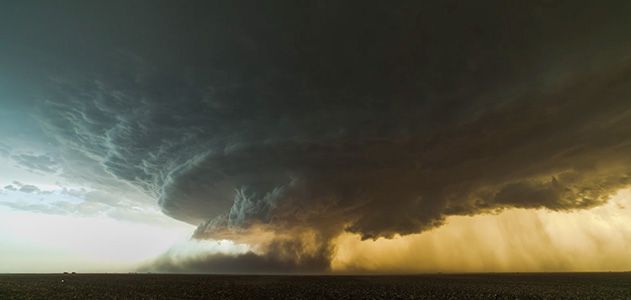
[(376, 121)]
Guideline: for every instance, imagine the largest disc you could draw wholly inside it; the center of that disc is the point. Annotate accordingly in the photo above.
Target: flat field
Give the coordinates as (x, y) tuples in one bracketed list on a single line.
[(435, 286)]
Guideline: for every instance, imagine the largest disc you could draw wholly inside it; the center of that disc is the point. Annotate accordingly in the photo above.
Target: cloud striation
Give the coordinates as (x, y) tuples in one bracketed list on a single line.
[(305, 122)]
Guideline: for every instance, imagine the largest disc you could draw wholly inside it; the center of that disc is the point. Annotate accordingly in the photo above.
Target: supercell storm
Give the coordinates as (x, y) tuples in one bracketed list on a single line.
[(299, 122)]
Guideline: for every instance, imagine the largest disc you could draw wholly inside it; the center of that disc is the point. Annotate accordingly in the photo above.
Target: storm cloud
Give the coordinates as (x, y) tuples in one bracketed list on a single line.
[(321, 118)]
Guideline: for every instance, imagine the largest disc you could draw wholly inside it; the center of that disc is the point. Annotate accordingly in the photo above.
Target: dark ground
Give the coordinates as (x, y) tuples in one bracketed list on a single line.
[(437, 286)]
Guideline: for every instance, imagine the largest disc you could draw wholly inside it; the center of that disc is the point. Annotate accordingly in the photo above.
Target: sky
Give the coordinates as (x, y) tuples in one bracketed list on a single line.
[(315, 137)]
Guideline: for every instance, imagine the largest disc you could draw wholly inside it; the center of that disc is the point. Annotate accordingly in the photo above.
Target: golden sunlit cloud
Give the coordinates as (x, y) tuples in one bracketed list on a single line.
[(515, 240)]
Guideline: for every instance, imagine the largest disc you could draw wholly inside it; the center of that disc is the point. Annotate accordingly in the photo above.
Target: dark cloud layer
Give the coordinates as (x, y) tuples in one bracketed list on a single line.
[(379, 119)]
